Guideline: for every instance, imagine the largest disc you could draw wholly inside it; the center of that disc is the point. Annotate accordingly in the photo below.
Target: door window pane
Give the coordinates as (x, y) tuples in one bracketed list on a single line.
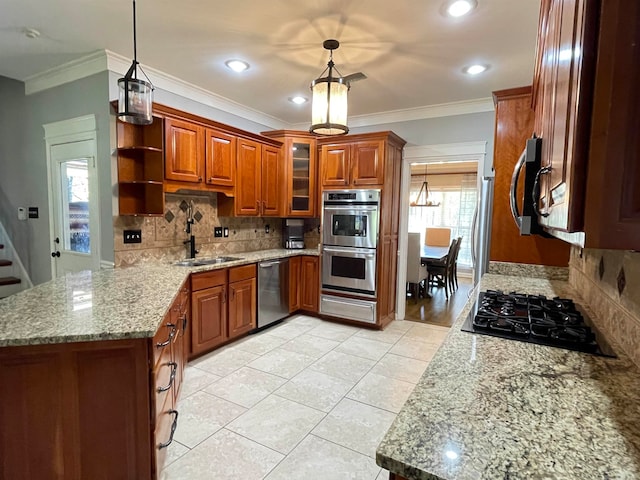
[(74, 177)]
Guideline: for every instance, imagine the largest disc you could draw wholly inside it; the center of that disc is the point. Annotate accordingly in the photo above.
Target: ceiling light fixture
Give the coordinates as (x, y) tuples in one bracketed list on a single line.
[(423, 199), (298, 99), (135, 99), (329, 100), (237, 65), (475, 69), (30, 32), (458, 8)]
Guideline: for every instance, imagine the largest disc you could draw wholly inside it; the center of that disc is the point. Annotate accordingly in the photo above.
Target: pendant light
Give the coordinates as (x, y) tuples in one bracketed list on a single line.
[(423, 195), (329, 103), (135, 97)]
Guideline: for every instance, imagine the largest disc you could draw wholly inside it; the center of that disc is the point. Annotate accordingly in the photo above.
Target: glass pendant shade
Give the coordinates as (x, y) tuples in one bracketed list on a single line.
[(135, 99), (329, 106), (135, 96)]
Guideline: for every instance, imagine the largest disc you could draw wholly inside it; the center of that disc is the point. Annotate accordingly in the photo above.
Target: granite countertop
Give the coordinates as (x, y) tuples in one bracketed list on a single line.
[(104, 305), (490, 408)]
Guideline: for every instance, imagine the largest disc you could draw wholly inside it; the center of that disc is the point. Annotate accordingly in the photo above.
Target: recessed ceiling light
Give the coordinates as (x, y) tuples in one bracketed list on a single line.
[(30, 32), (475, 69), (237, 65), (298, 100), (458, 8)]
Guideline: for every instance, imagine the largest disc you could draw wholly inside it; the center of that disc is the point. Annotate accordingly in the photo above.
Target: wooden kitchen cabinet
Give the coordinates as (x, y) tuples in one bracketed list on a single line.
[(357, 164), (209, 310), (257, 192), (242, 300), (299, 153), (140, 168), (514, 125), (587, 107), (309, 283), (224, 306), (220, 158), (184, 155), (294, 284), (97, 409)]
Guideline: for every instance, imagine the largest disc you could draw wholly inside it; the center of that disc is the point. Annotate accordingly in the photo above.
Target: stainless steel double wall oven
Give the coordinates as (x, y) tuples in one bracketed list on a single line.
[(350, 221)]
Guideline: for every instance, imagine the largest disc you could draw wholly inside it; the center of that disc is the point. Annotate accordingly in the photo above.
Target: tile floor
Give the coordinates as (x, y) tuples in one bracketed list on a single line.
[(304, 399)]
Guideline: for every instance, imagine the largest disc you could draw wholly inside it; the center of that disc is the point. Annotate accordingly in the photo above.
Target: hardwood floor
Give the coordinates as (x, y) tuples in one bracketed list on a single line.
[(438, 310)]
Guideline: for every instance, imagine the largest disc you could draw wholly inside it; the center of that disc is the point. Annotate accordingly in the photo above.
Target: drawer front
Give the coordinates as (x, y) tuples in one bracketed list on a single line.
[(214, 278), (164, 378), (166, 423), (242, 273), (161, 342)]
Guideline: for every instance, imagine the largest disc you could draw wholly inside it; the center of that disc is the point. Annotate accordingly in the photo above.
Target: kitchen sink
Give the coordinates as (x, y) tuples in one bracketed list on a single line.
[(197, 262)]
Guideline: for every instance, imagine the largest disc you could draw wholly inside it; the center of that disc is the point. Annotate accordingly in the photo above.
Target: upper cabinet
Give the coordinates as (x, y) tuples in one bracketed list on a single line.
[(354, 164), (140, 172), (587, 112), (258, 185), (299, 174), (184, 156), (220, 155)]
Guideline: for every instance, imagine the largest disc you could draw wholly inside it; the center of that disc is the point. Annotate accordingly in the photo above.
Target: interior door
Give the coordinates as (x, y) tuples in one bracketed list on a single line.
[(75, 205)]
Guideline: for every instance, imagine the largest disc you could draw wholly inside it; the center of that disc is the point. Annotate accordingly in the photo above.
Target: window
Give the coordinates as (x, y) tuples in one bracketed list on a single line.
[(457, 194)]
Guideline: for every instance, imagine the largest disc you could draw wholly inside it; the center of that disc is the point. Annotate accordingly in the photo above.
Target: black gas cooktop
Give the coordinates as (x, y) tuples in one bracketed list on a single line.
[(537, 319)]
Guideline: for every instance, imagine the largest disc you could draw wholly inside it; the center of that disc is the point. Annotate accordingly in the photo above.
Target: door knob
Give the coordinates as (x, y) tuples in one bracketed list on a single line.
[(55, 254)]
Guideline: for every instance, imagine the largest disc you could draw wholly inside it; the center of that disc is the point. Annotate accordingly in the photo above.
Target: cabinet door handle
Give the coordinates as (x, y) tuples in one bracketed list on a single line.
[(184, 322), (199, 179), (174, 369), (211, 180), (174, 425), (172, 333), (233, 294)]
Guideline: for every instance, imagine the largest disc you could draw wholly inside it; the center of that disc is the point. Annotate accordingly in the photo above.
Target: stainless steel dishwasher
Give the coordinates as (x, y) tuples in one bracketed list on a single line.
[(273, 291)]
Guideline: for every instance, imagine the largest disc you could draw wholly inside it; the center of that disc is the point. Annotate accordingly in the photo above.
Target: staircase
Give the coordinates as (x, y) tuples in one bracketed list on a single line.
[(13, 276)]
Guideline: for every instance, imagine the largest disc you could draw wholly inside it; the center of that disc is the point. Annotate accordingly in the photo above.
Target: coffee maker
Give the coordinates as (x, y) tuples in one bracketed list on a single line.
[(293, 233)]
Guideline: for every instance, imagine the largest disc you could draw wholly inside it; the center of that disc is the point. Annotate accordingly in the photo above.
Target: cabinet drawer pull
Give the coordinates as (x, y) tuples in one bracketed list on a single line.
[(211, 180), (172, 334), (174, 369), (174, 425)]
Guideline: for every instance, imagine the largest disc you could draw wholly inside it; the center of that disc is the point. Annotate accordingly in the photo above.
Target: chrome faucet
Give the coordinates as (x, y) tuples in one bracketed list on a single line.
[(191, 241)]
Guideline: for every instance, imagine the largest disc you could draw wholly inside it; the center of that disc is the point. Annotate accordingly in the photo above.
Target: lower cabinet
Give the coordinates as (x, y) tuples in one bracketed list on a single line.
[(242, 300), (294, 284), (309, 283), (223, 306)]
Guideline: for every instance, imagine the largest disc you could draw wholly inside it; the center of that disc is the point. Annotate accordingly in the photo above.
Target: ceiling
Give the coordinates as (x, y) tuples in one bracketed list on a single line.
[(412, 53)]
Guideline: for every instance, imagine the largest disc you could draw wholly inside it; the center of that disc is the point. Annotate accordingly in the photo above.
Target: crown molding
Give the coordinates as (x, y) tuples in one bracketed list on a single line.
[(102, 60), (119, 64), (86, 66)]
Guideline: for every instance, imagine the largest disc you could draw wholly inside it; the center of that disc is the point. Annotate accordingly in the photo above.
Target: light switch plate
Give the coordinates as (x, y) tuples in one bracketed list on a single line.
[(217, 232)]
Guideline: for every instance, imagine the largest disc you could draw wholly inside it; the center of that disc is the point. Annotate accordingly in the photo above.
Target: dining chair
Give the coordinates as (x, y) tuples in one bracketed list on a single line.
[(437, 236), (440, 271), (417, 273), (453, 275)]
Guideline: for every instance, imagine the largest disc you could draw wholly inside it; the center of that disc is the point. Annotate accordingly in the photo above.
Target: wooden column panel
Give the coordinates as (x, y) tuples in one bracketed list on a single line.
[(294, 283), (514, 125)]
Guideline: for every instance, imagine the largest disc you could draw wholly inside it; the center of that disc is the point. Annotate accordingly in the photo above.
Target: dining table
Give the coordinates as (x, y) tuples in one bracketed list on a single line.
[(430, 253)]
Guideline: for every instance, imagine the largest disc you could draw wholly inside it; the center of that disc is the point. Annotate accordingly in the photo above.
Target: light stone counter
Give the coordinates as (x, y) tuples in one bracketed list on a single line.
[(490, 408), (104, 305)]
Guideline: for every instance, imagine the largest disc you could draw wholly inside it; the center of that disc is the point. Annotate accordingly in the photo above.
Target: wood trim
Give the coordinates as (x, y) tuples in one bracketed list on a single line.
[(511, 93)]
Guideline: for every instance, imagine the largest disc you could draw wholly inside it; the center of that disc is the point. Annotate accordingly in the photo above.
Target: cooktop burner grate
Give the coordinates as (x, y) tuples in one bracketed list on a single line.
[(536, 319)]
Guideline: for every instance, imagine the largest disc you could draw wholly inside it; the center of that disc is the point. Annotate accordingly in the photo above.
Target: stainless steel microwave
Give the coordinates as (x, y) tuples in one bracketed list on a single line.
[(351, 218)]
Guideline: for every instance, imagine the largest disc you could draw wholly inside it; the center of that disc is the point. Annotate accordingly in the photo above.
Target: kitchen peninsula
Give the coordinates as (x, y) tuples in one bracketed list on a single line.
[(92, 363), (493, 408)]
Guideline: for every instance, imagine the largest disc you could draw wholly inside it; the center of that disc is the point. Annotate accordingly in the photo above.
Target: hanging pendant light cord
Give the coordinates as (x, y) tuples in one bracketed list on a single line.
[(135, 53)]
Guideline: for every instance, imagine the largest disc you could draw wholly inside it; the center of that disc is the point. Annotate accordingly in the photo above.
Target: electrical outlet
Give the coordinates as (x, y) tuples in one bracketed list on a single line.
[(33, 212), (266, 228), (217, 232), (132, 236), (225, 231)]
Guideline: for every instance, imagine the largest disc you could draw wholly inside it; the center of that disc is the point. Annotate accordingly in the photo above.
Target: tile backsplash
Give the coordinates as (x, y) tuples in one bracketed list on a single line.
[(609, 281), (163, 237)]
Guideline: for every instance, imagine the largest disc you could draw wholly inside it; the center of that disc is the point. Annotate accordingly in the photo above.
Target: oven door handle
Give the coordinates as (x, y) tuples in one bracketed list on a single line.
[(350, 251), (352, 208)]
